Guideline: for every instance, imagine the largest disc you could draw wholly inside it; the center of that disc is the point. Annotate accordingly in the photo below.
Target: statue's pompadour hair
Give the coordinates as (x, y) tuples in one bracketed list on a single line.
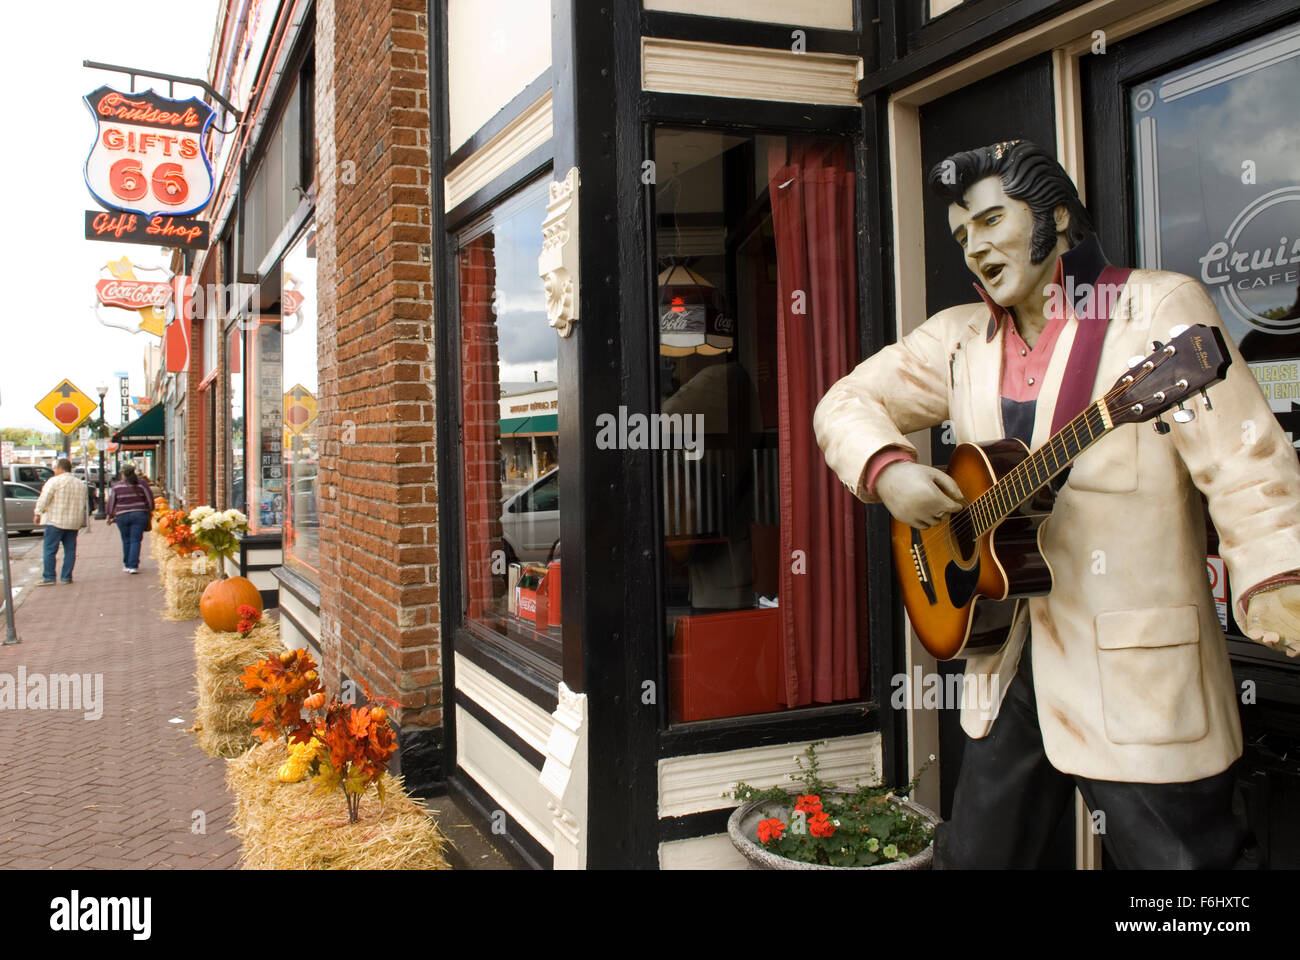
[(1028, 173)]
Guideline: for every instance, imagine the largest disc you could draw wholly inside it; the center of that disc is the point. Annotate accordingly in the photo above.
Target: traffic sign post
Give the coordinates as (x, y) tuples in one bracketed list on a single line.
[(11, 635)]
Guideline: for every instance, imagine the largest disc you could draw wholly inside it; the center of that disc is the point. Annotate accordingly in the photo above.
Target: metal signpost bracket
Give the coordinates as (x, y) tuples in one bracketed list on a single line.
[(172, 80)]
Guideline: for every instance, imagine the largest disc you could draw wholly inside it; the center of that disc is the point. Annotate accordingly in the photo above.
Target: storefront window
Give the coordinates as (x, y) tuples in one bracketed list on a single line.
[(509, 409), (763, 561), (276, 186), (300, 443), (235, 445), (179, 461), (265, 413), (1226, 207)]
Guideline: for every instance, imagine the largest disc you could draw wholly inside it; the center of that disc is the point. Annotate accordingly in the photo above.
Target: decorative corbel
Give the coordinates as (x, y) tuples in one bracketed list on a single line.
[(558, 263)]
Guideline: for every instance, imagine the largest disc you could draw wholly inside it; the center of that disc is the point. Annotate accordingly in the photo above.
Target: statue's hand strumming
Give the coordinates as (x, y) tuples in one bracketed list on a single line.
[(917, 495), (1272, 617)]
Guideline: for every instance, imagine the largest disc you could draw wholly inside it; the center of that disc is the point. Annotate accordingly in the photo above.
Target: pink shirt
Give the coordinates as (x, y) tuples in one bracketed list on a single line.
[(1023, 369)]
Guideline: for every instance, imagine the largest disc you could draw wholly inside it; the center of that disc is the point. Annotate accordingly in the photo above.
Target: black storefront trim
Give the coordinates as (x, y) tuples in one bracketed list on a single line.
[(974, 26), (534, 687), (447, 384), (737, 733), (419, 760), (499, 730), (517, 845), (1106, 113), (682, 108), (299, 586), (521, 172), (706, 824), (611, 630), (876, 309), (746, 33), (259, 541), (500, 120)]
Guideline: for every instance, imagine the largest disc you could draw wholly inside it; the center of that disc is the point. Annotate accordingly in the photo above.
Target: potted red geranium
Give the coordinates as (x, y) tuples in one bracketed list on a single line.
[(823, 827)]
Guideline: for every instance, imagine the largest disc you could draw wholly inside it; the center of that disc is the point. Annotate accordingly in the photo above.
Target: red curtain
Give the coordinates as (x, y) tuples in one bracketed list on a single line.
[(823, 568)]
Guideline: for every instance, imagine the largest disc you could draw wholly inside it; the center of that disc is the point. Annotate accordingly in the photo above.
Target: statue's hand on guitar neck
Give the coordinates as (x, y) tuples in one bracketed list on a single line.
[(917, 495)]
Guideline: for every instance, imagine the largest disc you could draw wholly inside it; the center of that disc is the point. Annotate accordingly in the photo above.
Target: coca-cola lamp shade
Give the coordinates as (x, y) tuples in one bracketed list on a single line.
[(689, 321)]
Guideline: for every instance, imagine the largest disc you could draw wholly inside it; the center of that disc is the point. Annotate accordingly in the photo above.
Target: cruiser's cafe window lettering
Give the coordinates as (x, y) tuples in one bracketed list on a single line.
[(1226, 208)]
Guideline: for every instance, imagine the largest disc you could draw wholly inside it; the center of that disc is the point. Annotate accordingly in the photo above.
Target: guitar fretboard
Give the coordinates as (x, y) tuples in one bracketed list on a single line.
[(1019, 484)]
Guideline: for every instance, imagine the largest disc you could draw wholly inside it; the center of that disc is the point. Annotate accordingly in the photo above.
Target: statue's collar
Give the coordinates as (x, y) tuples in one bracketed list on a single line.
[(1077, 271)]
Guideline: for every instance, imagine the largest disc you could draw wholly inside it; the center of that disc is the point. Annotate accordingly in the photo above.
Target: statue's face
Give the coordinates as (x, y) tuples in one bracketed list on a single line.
[(995, 234)]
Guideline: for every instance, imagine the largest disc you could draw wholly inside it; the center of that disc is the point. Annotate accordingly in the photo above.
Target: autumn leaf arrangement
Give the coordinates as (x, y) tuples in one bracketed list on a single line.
[(341, 745), (825, 825), (176, 532)]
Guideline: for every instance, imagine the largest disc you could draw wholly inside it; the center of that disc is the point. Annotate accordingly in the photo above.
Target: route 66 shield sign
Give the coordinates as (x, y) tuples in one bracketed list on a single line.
[(149, 154)]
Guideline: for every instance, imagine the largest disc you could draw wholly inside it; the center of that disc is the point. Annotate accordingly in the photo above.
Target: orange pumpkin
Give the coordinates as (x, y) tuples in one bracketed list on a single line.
[(222, 599)]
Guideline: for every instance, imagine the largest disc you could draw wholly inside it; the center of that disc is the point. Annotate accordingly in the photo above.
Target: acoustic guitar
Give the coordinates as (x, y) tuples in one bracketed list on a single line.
[(963, 578)]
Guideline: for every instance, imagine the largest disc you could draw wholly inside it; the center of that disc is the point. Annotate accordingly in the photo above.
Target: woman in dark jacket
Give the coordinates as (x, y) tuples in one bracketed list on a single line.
[(130, 504)]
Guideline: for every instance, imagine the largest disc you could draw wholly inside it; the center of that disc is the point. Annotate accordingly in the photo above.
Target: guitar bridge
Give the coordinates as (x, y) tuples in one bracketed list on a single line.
[(922, 565)]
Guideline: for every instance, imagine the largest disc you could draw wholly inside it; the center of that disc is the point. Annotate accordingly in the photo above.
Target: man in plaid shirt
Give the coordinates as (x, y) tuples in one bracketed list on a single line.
[(62, 508)]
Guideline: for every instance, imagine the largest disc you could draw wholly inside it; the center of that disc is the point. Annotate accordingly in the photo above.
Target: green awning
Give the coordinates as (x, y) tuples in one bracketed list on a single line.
[(148, 428), (530, 426)]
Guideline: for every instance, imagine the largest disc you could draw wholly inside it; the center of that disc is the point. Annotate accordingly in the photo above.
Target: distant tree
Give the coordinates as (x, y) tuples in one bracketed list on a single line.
[(25, 437)]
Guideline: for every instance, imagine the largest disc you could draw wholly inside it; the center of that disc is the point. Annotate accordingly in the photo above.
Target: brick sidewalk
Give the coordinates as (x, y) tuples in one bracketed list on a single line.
[(121, 791)]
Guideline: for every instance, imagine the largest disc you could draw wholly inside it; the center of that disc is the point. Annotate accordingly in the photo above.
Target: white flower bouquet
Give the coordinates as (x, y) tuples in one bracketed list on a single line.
[(218, 531)]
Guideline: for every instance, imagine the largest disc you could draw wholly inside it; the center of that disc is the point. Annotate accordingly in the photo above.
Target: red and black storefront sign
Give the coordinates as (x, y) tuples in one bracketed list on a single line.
[(148, 168), (157, 231)]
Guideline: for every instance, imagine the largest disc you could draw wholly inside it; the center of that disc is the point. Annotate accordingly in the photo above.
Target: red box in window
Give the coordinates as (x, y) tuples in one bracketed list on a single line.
[(528, 605), (553, 593), (726, 664), (541, 615)]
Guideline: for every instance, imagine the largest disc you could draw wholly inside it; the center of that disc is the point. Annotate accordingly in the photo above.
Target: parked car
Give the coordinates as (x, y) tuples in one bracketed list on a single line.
[(20, 508), (31, 474), (530, 520)]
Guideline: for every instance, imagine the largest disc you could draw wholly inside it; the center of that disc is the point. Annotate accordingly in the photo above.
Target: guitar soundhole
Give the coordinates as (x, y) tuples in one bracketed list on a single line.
[(963, 537)]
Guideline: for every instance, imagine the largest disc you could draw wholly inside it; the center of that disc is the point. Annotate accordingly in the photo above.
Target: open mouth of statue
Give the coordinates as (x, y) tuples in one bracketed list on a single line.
[(991, 272)]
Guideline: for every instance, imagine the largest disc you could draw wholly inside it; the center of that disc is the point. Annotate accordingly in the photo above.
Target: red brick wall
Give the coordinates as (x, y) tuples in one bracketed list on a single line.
[(481, 424), (193, 416), (379, 508)]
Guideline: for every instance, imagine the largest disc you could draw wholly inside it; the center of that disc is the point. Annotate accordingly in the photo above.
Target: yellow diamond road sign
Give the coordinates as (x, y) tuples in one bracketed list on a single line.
[(65, 406), (299, 409)]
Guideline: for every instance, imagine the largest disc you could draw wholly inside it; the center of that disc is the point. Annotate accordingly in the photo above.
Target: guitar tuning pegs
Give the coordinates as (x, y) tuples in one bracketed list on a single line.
[(1205, 400), (1160, 427), (1134, 361), (1177, 331), (1183, 415)]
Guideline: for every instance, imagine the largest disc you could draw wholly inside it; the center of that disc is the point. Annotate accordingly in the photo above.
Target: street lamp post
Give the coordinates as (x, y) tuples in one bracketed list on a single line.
[(102, 391)]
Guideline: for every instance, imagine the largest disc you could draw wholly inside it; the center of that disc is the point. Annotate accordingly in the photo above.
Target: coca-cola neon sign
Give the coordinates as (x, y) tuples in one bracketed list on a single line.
[(133, 294), (149, 154)]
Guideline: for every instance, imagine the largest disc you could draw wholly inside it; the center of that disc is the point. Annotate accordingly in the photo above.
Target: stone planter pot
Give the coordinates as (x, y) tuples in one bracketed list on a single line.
[(742, 828)]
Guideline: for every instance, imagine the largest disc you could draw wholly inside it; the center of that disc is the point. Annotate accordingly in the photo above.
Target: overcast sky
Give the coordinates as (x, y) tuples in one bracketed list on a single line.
[(48, 329)]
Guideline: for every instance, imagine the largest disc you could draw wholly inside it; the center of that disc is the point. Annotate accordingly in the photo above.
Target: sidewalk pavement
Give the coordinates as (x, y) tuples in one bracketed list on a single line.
[(130, 789)]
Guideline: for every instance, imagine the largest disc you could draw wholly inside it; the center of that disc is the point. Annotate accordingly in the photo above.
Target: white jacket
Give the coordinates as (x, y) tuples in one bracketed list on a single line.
[(1131, 670)]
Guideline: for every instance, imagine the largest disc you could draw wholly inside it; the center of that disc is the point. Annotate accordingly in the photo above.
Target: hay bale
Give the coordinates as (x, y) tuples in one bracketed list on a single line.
[(185, 584), (221, 714), (225, 743), (161, 553), (293, 826)]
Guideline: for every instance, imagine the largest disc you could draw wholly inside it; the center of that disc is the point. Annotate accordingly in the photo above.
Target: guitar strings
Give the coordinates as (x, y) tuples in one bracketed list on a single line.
[(962, 522)]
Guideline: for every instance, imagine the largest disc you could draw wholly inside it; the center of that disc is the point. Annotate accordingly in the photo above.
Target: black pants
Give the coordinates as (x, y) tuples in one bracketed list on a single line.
[(1010, 799)]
